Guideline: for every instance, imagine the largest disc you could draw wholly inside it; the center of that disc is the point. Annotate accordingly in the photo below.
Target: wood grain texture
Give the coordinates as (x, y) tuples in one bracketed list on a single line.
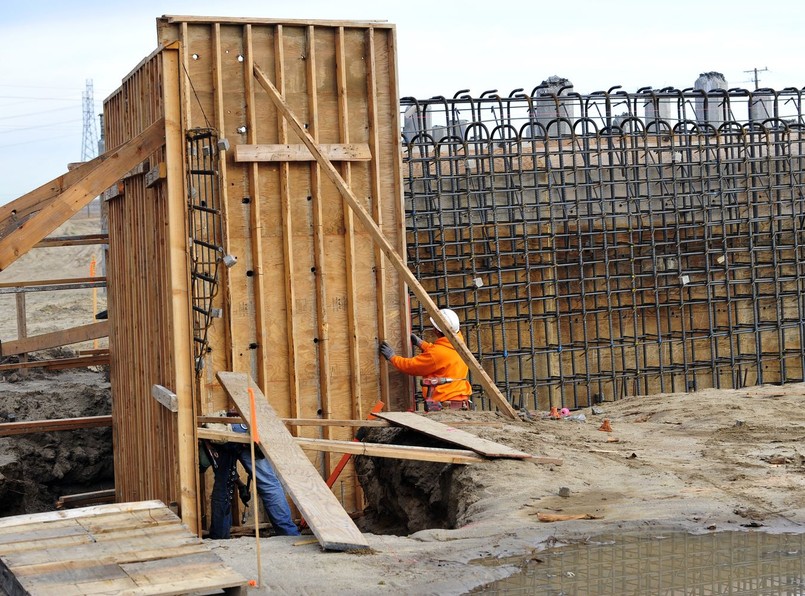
[(55, 339), (278, 152), (331, 525), (132, 548)]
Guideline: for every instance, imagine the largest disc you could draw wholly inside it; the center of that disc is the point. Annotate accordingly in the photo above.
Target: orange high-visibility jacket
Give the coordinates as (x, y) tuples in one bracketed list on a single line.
[(438, 359)]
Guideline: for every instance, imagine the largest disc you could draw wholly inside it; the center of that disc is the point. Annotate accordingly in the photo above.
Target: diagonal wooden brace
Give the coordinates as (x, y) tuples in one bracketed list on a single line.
[(380, 239), (96, 176)]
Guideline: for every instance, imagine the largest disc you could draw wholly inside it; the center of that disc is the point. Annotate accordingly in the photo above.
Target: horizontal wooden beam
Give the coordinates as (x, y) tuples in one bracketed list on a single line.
[(59, 363), (50, 282), (333, 152), (450, 456), (95, 497), (8, 429), (64, 337), (339, 422), (82, 240), (48, 288), (434, 454)]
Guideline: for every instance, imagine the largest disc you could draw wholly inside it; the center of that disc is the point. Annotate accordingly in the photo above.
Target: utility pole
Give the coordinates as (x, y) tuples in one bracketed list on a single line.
[(755, 71)]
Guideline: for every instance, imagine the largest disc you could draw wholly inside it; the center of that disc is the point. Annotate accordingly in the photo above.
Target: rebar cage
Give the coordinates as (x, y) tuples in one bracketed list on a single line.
[(592, 256)]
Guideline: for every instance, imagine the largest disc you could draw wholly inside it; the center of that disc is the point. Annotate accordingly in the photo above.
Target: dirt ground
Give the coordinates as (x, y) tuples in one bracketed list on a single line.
[(702, 462)]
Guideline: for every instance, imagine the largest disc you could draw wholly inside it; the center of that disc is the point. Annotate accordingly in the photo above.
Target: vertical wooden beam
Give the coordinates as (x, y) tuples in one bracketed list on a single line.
[(22, 326), (405, 321), (287, 234), (349, 228), (181, 331), (256, 216), (220, 124), (377, 235), (374, 182), (322, 322)]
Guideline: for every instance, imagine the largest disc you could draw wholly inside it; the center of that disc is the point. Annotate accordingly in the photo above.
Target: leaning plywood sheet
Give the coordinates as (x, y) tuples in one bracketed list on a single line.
[(451, 435), (132, 548), (332, 526)]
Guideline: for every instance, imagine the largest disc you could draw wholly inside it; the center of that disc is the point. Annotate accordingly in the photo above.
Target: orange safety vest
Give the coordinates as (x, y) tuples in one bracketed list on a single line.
[(438, 359)]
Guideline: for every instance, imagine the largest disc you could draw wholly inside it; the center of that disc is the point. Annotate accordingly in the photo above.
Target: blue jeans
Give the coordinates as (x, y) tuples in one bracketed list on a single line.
[(268, 486)]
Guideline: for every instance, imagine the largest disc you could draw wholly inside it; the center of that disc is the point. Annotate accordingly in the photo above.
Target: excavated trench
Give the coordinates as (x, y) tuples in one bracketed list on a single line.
[(38, 468), (406, 496)]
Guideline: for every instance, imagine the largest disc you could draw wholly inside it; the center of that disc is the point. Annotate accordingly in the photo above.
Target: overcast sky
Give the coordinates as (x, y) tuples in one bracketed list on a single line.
[(50, 48)]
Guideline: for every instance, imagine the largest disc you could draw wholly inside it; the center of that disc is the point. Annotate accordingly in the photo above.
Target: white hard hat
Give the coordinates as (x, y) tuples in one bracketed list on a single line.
[(452, 319)]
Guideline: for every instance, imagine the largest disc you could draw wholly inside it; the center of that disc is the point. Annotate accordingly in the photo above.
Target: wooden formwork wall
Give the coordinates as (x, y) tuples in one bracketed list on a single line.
[(310, 295)]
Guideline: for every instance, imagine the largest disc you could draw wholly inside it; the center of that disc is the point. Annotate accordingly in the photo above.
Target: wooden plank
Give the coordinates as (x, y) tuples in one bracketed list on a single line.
[(55, 339), (451, 434), (16, 289), (78, 240), (166, 397), (62, 207), (377, 234), (434, 454), (331, 525), (278, 152), (59, 363), (98, 510), (51, 283), (8, 429), (183, 574)]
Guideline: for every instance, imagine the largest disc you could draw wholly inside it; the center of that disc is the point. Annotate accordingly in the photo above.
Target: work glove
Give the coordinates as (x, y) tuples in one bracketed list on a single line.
[(386, 350), (416, 340)]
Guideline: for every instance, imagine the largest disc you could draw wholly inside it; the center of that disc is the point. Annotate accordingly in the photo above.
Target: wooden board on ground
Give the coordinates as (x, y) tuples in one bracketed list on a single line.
[(451, 435), (326, 517), (131, 548)]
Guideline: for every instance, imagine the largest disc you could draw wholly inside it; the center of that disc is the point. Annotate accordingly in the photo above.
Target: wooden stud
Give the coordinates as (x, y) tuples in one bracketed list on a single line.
[(287, 233)]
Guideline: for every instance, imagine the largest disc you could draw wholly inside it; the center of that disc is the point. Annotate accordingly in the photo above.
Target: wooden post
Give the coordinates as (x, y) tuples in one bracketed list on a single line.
[(380, 239), (22, 326), (181, 332)]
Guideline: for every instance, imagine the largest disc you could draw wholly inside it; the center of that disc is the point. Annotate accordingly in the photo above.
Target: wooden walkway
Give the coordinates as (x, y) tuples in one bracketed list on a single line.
[(126, 548)]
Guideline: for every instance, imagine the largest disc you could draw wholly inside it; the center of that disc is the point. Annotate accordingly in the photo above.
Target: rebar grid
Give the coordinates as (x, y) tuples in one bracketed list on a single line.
[(604, 261)]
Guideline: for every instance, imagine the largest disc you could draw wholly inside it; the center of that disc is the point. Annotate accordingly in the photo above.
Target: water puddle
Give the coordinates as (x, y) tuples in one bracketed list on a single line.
[(657, 562)]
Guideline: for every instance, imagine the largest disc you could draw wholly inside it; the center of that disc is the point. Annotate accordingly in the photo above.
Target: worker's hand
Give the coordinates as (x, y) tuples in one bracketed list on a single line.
[(386, 350), (416, 341)]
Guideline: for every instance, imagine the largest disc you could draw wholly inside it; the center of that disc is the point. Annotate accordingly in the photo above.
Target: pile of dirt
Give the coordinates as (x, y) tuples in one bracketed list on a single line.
[(37, 468)]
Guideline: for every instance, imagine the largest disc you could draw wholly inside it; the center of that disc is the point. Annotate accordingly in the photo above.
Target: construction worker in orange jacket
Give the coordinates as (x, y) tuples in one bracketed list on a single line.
[(443, 372)]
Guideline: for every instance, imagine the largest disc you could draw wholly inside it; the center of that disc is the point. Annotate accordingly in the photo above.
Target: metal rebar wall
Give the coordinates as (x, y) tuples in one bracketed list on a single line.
[(622, 244)]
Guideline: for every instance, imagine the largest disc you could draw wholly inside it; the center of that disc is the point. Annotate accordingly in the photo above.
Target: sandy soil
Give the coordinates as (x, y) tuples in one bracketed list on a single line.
[(702, 462)]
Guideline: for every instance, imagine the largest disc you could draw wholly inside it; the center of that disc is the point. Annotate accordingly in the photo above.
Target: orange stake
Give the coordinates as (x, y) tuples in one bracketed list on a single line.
[(255, 440)]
